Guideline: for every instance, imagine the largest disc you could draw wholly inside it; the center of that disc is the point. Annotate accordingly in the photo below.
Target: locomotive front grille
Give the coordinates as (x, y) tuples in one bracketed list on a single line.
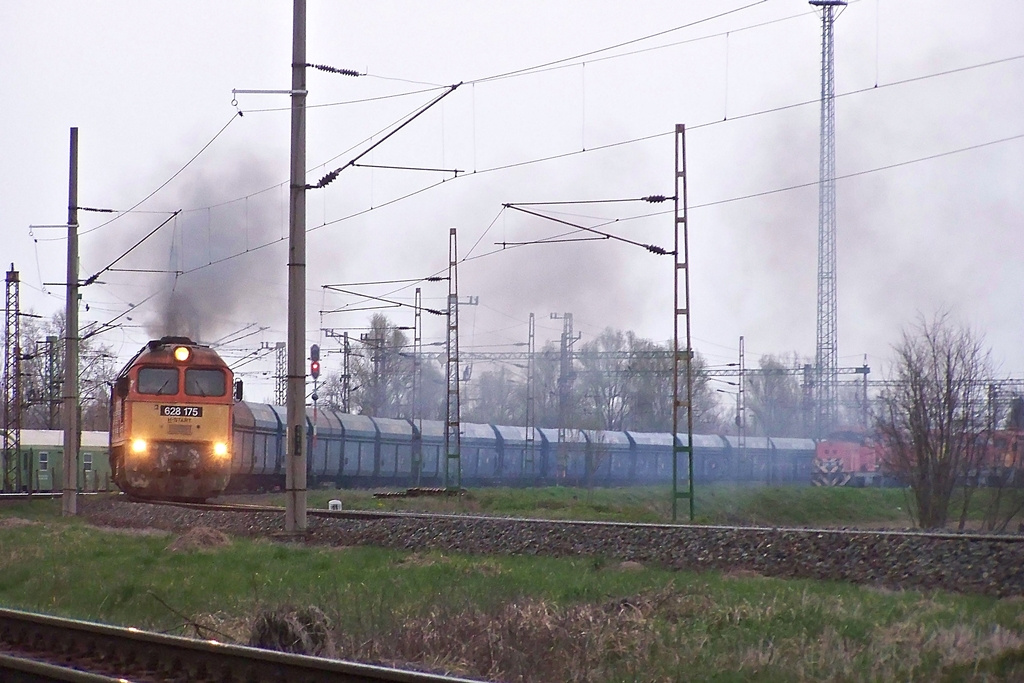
[(179, 458)]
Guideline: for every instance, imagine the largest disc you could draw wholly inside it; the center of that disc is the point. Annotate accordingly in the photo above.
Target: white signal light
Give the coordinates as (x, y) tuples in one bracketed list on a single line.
[(182, 353), (138, 445)]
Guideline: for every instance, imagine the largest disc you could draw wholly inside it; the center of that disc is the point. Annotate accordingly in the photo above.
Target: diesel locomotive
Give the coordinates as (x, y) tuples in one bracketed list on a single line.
[(171, 414)]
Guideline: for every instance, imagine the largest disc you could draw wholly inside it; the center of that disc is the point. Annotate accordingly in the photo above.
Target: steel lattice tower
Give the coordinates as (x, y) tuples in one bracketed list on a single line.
[(453, 431), (416, 409), (12, 386), (531, 408), (280, 373), (826, 356), (565, 380)]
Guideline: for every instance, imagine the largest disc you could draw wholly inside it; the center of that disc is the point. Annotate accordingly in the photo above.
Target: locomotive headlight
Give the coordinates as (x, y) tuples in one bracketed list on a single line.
[(139, 445), (220, 449), (182, 353)]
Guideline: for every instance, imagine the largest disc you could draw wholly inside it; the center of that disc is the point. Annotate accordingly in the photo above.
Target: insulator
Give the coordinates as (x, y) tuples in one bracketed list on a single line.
[(656, 198), (327, 179), (655, 249), (334, 70)]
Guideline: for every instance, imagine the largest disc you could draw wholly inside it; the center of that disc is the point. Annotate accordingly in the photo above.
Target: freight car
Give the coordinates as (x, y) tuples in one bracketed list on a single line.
[(171, 422), (359, 451)]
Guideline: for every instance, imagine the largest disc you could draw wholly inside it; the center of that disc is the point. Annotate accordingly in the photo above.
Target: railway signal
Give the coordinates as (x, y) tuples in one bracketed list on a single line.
[(314, 361)]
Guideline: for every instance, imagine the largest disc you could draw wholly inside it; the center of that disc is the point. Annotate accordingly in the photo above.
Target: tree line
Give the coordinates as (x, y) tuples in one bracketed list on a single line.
[(618, 381), (42, 376)]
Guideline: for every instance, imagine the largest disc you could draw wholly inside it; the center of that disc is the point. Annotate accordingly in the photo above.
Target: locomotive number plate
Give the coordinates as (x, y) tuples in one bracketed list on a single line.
[(181, 411)]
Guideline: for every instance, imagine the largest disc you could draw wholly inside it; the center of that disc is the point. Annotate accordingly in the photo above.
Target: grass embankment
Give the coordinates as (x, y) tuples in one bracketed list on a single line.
[(777, 506), (806, 506), (506, 618)]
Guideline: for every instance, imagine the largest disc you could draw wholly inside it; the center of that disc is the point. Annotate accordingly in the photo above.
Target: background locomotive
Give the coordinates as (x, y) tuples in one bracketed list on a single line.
[(171, 422)]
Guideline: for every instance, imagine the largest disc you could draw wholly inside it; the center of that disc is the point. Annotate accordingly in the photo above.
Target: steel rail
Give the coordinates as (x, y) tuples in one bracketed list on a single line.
[(84, 649), (21, 670)]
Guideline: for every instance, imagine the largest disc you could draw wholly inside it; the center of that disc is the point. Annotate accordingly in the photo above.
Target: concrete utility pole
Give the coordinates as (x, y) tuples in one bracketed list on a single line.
[(295, 471), (70, 492)]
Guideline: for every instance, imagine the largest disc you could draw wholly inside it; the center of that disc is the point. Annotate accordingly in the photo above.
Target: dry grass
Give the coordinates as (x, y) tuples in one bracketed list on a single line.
[(526, 640), (223, 627), (15, 522), (304, 631), (657, 636), (130, 531), (199, 538)]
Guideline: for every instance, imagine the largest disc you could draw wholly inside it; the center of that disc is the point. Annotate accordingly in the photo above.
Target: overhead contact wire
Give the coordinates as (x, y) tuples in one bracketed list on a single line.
[(234, 116)]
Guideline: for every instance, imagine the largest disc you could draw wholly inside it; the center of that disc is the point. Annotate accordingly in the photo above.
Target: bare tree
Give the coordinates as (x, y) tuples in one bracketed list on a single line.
[(42, 376), (382, 371), (774, 397), (931, 415), (497, 397)]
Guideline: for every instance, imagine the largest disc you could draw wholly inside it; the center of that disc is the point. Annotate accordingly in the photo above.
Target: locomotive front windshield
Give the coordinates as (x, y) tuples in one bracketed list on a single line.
[(160, 381), (200, 382)]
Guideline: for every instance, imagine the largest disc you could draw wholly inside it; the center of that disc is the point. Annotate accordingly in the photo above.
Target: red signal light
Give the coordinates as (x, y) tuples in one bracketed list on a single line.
[(314, 369)]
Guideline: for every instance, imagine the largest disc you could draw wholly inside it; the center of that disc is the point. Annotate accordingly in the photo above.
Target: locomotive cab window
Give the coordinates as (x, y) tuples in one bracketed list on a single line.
[(200, 382), (160, 381)]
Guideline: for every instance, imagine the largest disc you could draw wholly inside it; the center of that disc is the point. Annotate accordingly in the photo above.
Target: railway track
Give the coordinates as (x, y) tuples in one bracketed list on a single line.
[(964, 563), (583, 524), (35, 647)]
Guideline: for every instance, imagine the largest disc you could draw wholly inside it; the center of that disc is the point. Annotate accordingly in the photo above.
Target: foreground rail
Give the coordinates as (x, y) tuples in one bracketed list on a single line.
[(35, 647)]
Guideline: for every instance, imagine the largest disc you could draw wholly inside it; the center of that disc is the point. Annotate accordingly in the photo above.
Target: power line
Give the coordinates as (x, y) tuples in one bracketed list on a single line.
[(654, 249), (855, 174), (545, 65), (165, 183), (564, 62), (92, 278), (620, 143), (329, 178), (692, 206)]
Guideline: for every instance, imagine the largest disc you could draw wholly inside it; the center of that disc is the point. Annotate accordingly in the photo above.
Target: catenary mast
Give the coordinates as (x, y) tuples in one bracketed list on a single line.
[(826, 356)]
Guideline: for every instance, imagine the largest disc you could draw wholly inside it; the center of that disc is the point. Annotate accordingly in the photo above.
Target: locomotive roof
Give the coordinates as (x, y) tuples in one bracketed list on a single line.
[(164, 344)]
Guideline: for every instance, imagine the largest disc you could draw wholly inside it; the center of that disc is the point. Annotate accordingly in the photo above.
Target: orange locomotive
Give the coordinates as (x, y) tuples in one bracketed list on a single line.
[(170, 422)]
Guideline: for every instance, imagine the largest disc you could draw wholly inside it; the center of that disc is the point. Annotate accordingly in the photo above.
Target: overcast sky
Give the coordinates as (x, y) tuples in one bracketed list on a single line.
[(150, 84)]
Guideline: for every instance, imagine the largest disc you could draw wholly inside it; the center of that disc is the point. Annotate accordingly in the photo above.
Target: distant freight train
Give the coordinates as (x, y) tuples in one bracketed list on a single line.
[(176, 431), (359, 451)]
